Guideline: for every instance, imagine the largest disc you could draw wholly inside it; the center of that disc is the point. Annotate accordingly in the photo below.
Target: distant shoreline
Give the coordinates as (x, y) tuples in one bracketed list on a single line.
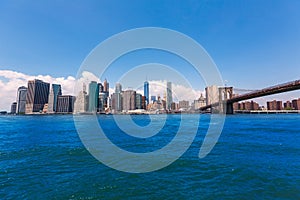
[(171, 113)]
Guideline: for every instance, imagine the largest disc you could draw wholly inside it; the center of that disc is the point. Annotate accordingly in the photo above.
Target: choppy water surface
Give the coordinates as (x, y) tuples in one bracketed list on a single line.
[(256, 157)]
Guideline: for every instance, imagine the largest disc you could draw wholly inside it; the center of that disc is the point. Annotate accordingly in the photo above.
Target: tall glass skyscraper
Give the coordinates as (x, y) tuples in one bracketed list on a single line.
[(21, 100), (169, 98), (52, 101), (37, 96), (93, 96), (146, 91), (118, 88)]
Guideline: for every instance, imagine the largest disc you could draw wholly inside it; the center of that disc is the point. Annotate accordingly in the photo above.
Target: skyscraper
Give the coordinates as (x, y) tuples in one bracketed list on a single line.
[(129, 97), (117, 98), (52, 100), (81, 102), (169, 98), (102, 102), (65, 104), (106, 87), (93, 96), (146, 91), (21, 100), (13, 108), (118, 88), (138, 101), (37, 96)]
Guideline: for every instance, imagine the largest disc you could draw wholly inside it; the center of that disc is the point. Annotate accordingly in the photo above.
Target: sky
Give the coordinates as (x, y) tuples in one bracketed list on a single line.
[(254, 44)]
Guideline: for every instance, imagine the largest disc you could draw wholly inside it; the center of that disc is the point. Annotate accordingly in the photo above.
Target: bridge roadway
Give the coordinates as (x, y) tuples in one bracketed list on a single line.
[(285, 87)]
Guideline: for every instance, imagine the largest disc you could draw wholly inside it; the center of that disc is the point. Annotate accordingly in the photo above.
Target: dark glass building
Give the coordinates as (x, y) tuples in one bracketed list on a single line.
[(37, 96), (65, 104)]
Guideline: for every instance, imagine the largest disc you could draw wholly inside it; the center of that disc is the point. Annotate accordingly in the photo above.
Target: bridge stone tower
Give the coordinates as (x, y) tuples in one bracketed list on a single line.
[(220, 95), (225, 93)]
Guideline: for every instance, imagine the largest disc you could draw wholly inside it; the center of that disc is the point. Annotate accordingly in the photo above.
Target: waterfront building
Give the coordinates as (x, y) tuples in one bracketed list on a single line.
[(169, 98), (296, 104), (37, 95), (65, 104), (274, 105), (174, 106), (106, 88), (246, 106), (129, 97), (116, 98), (52, 100), (153, 99), (81, 102), (101, 88), (288, 105), (102, 102), (13, 108), (184, 104), (93, 96), (144, 103), (45, 109), (21, 100), (116, 102), (138, 101), (118, 88), (199, 102), (146, 92)]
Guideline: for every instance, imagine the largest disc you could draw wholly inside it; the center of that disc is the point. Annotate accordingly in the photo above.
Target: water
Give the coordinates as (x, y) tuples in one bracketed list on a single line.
[(256, 157)]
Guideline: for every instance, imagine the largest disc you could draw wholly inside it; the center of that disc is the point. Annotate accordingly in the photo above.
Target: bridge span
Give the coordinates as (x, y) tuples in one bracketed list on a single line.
[(227, 105)]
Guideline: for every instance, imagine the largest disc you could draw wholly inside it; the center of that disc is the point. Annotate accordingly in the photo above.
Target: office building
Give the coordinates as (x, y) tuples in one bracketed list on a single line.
[(37, 95), (65, 104), (138, 101), (144, 103), (81, 102), (153, 99), (116, 98), (52, 100), (13, 108), (118, 88), (184, 104), (146, 92), (106, 88), (21, 100), (102, 102), (169, 98), (93, 96), (116, 102), (129, 97), (296, 104)]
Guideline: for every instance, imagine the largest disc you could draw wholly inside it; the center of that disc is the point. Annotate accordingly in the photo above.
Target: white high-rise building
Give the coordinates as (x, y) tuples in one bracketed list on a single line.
[(52, 100), (80, 105), (21, 100)]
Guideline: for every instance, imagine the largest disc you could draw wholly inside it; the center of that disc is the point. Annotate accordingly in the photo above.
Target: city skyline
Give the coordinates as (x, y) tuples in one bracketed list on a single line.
[(41, 98)]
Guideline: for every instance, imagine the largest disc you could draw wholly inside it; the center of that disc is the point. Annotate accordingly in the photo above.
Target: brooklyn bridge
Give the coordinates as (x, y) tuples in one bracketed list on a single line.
[(225, 98)]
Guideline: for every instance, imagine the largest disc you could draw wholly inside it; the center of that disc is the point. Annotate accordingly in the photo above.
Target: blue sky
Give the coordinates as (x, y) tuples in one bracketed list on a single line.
[(253, 43)]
